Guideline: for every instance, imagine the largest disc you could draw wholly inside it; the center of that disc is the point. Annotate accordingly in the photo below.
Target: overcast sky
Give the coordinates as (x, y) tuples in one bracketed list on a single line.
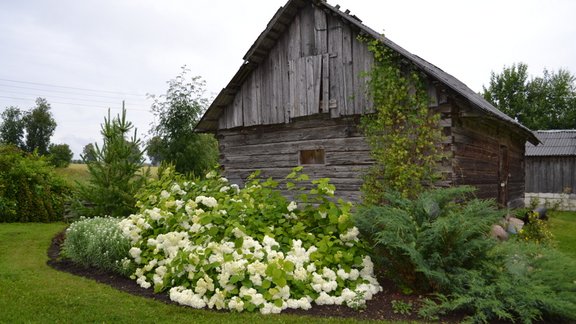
[(87, 56)]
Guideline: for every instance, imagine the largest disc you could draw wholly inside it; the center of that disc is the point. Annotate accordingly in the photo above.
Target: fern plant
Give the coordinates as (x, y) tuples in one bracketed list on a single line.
[(428, 242)]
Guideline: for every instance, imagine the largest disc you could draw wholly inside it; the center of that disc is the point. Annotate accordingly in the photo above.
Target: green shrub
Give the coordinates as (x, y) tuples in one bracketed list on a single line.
[(98, 242), (536, 230), (427, 243), (212, 244), (30, 190), (521, 281), (440, 243)]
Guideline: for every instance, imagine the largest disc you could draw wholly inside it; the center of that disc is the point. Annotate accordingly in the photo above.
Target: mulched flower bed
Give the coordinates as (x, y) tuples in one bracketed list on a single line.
[(379, 308)]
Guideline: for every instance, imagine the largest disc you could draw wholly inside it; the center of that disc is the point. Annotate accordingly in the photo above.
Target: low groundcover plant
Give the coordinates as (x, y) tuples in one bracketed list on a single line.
[(98, 242), (212, 244)]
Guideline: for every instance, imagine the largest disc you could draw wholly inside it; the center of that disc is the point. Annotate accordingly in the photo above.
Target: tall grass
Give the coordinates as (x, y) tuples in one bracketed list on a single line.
[(32, 292), (77, 172), (74, 173)]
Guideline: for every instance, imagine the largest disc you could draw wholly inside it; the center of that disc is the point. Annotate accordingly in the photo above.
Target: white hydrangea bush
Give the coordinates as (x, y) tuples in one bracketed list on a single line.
[(212, 244)]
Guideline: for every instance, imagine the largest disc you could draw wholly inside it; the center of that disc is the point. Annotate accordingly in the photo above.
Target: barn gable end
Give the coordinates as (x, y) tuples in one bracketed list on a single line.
[(315, 66), (299, 96)]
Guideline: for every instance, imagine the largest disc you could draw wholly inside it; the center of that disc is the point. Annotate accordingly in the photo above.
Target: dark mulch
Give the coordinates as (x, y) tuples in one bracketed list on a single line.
[(379, 308)]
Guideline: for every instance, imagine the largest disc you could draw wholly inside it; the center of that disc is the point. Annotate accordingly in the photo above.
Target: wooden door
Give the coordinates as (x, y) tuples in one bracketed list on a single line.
[(503, 174)]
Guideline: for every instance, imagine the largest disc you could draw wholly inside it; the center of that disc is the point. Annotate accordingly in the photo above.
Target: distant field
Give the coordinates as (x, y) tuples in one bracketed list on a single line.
[(79, 173), (563, 226), (73, 173)]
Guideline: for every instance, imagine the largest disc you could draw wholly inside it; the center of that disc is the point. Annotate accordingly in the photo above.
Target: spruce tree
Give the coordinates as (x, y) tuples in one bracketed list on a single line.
[(116, 171)]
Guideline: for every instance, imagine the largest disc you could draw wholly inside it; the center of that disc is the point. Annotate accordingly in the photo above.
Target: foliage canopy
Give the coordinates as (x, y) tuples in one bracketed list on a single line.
[(12, 127), (177, 113), (40, 126), (542, 102)]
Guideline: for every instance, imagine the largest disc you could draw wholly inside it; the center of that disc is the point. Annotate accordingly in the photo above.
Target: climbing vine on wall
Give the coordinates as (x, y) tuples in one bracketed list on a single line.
[(403, 133)]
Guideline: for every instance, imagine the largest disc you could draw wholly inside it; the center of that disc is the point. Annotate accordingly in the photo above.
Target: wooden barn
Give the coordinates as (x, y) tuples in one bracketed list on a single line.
[(551, 169), (300, 93)]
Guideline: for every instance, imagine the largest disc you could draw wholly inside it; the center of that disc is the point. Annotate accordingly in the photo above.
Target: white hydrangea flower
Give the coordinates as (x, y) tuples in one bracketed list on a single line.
[(236, 304), (177, 190), (207, 201), (325, 299), (270, 308), (190, 207), (217, 300), (238, 233), (135, 254), (292, 206), (269, 242), (300, 274), (141, 281), (187, 297), (164, 194), (350, 235)]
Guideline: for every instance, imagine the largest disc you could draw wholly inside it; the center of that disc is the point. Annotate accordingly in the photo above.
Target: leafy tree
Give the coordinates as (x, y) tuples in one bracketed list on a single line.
[(178, 111), (40, 126), (88, 154), (60, 155), (155, 149), (547, 102), (115, 174), (11, 128)]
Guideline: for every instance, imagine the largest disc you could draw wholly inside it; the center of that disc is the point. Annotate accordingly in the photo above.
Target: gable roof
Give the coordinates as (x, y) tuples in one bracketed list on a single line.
[(554, 143), (281, 21)]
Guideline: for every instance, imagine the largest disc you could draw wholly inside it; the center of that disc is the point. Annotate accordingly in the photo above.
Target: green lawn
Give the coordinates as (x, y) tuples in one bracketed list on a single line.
[(563, 226), (32, 292)]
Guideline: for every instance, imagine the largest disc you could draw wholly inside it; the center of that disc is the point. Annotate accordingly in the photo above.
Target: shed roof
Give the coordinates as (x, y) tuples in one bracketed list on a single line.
[(281, 21), (554, 143)]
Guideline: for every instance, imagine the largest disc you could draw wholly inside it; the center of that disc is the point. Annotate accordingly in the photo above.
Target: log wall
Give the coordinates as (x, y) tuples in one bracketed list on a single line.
[(487, 155), (275, 151)]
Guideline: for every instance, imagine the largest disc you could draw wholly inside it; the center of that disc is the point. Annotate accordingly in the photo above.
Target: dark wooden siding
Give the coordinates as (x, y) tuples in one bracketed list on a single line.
[(487, 155), (551, 174), (316, 66), (275, 151)]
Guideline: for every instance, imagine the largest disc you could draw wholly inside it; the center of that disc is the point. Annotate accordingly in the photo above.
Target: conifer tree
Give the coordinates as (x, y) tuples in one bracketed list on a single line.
[(116, 173)]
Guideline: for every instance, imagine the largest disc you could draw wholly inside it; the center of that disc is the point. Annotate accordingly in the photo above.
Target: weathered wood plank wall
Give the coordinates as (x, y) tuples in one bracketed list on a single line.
[(315, 66), (551, 174)]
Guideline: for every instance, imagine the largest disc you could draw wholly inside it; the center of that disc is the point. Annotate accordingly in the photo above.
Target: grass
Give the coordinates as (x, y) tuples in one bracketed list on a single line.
[(74, 173), (79, 173), (563, 226), (32, 292)]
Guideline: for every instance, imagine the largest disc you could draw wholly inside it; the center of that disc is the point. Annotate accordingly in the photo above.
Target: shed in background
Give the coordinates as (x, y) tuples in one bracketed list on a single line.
[(551, 169)]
